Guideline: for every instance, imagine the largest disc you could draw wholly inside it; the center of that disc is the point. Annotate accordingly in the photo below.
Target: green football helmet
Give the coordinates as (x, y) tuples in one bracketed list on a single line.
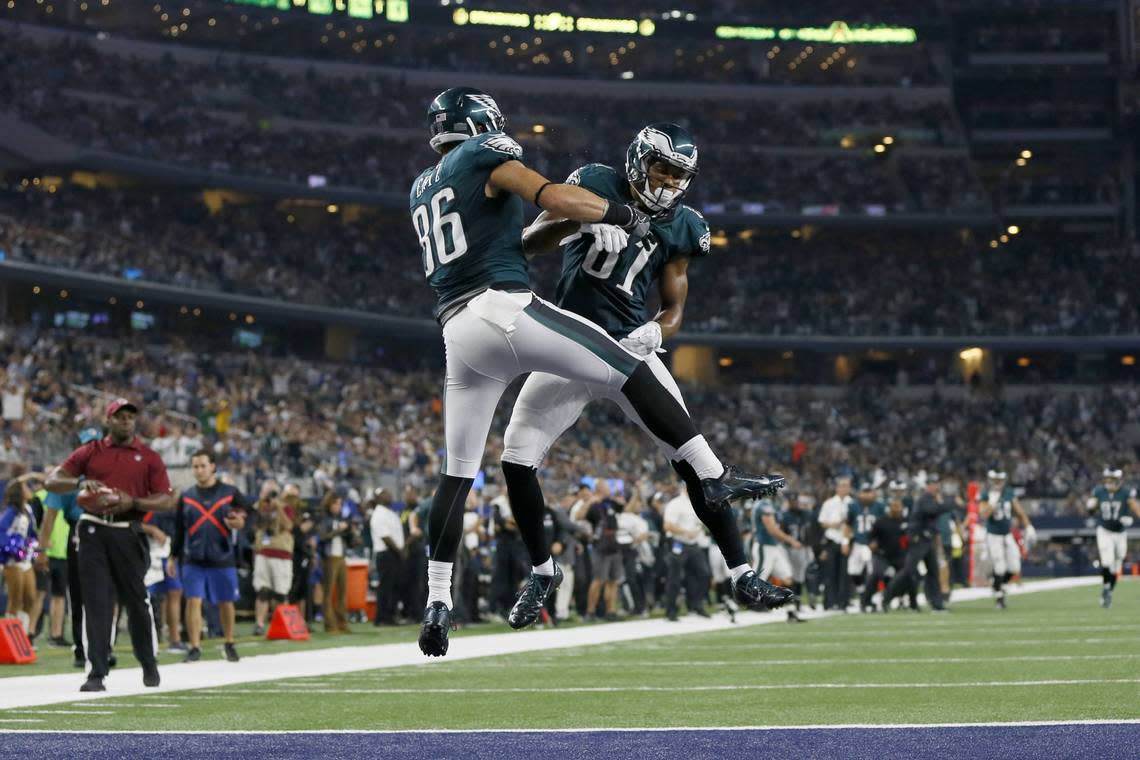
[(666, 143), (462, 112)]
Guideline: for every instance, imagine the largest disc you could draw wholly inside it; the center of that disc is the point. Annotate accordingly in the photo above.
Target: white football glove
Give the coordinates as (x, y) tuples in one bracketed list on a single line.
[(644, 340), (1030, 536), (607, 237)]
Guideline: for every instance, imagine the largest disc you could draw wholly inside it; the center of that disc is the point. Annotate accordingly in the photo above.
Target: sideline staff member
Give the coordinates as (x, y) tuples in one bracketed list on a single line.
[(113, 552)]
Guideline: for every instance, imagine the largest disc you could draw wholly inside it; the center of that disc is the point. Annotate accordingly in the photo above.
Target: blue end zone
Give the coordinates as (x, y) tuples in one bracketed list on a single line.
[(1096, 742)]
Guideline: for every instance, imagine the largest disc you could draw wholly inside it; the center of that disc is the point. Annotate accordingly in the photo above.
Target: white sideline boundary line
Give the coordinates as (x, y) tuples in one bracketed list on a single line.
[(33, 691), (606, 729)]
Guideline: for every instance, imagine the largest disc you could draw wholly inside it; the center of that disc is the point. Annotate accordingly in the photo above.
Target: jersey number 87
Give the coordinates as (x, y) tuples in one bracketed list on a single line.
[(434, 225)]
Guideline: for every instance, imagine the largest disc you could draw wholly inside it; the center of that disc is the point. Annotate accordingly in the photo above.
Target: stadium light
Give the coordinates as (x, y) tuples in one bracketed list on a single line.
[(139, 304), (1021, 162), (971, 354), (888, 140), (36, 289), (1027, 154), (1004, 238), (725, 361), (1023, 361), (1128, 360), (880, 148), (538, 129), (1013, 229), (993, 244)]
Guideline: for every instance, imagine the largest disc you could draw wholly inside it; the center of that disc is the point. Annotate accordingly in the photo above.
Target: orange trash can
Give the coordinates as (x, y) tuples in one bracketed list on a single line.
[(357, 571)]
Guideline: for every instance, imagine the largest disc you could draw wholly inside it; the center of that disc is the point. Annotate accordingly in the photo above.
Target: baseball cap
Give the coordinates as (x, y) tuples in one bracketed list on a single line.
[(866, 485), (120, 403), (87, 435)]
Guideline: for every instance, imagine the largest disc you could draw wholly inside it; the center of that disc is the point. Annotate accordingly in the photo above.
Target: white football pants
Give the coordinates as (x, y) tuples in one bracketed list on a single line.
[(500, 336)]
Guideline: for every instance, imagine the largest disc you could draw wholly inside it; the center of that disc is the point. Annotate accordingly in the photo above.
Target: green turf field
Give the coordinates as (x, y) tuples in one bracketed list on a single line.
[(1050, 656)]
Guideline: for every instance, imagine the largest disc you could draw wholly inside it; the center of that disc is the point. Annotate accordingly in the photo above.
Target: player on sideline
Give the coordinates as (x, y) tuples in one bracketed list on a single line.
[(861, 516), (209, 512), (606, 278), (1108, 503), (467, 211), (998, 506)]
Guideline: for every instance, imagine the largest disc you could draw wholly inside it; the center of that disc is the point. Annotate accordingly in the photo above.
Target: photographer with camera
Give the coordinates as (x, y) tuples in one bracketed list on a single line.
[(273, 558)]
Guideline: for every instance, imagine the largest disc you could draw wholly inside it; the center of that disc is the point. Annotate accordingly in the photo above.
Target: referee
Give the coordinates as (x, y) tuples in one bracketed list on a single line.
[(113, 550)]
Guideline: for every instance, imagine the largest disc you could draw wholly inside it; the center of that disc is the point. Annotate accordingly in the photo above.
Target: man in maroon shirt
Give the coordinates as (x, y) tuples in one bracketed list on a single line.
[(113, 550)]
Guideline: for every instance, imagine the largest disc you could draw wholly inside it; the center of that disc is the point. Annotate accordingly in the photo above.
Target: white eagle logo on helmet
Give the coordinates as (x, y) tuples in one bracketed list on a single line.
[(664, 145)]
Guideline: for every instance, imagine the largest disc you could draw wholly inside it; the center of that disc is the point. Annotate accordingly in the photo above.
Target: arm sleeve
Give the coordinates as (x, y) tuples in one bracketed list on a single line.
[(76, 464), (490, 150), (157, 479)]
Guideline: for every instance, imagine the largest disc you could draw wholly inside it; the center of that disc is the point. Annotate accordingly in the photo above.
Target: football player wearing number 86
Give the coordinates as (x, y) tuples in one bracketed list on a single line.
[(1110, 503), (467, 210)]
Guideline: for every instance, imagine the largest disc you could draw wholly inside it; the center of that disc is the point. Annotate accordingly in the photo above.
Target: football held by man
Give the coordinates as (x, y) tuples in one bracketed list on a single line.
[(467, 211)]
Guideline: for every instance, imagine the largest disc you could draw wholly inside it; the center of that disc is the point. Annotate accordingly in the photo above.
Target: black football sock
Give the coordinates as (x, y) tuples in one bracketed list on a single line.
[(798, 590), (661, 413), (720, 522), (528, 508), (1111, 580), (1007, 578), (445, 520), (1107, 576), (997, 582)]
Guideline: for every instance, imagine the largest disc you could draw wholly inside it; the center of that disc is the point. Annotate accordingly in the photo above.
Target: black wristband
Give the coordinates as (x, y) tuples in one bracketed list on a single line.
[(539, 193), (621, 216)]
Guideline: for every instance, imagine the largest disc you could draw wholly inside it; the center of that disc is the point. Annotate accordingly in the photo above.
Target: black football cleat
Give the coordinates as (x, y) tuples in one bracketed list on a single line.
[(150, 675), (532, 598), (733, 484), (93, 684), (436, 626), (759, 595)]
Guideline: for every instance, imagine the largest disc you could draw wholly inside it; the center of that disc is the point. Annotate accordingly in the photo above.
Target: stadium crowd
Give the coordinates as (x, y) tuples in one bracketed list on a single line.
[(227, 118), (812, 286), (506, 50)]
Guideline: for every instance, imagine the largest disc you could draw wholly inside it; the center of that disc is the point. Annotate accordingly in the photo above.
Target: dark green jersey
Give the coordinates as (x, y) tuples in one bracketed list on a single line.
[(998, 523), (470, 242), (612, 289), (763, 507), (1111, 506), (862, 518), (795, 523)]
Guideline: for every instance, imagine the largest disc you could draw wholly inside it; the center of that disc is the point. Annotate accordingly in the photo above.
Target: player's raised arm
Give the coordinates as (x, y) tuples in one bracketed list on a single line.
[(565, 201), (674, 290)]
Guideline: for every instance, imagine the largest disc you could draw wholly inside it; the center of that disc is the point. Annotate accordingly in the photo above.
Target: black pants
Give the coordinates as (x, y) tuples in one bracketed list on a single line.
[(413, 578), (879, 567), (114, 559), (388, 572), (835, 579), (511, 568), (691, 566), (921, 549), (75, 591)]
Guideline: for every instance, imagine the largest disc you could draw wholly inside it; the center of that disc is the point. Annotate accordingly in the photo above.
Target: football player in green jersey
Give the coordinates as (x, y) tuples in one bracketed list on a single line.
[(861, 517), (608, 280), (1110, 503), (467, 210), (998, 505)]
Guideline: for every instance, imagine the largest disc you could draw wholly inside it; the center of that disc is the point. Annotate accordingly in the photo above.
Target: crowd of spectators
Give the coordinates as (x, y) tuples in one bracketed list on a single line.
[(866, 283), (504, 50), (340, 425), (292, 434), (236, 118)]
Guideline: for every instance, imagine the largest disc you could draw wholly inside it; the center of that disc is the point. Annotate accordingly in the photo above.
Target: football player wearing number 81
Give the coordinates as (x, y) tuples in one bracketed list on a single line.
[(1110, 503), (467, 210), (607, 278)]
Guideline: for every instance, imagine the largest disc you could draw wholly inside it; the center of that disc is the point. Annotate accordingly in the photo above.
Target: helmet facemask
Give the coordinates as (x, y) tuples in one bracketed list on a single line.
[(659, 174)]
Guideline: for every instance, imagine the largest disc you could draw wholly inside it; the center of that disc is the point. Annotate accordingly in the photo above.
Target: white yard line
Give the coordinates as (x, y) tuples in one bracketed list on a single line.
[(29, 691), (766, 663), (610, 729), (691, 688)]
